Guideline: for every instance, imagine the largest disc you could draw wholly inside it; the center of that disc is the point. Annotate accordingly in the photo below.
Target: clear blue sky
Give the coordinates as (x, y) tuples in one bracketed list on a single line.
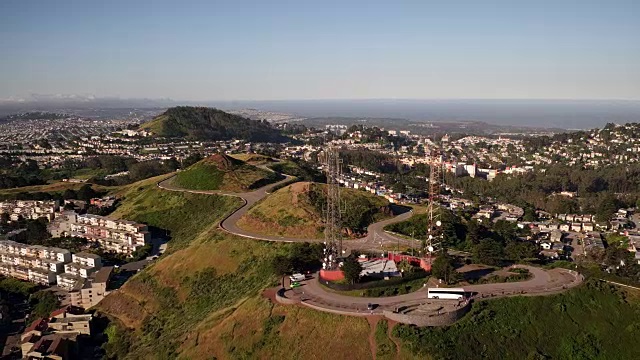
[(224, 50)]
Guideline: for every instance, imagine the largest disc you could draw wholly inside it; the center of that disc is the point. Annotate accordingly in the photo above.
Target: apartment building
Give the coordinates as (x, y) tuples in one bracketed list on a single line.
[(120, 236), (61, 225), (70, 282), (29, 209), (46, 265), (67, 320), (38, 264), (83, 264), (93, 290)]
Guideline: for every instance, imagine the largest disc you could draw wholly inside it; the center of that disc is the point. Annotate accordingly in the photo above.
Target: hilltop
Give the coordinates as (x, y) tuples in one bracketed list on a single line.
[(223, 172), (296, 211), (202, 123), (254, 159)]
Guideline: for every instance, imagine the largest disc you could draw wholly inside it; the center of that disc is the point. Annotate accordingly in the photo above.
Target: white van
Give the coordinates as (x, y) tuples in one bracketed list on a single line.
[(297, 277)]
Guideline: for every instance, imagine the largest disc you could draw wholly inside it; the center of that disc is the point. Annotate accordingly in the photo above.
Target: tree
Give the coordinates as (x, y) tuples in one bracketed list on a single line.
[(444, 268), (69, 194), (172, 164), (36, 231), (86, 193), (5, 314), (519, 250), (351, 269), (146, 169), (505, 230), (529, 214), (281, 265), (45, 303), (488, 252), (405, 267), (607, 206)]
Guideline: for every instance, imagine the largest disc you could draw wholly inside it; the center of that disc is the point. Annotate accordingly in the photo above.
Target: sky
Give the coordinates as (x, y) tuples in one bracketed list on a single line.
[(287, 50)]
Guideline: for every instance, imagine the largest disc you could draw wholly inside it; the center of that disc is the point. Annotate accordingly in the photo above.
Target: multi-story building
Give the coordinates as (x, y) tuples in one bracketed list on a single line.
[(93, 290), (45, 265), (65, 321), (120, 236), (70, 282), (42, 277), (61, 225), (83, 264), (38, 264)]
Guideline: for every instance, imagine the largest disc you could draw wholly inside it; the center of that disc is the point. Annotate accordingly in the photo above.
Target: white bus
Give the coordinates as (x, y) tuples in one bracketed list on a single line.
[(446, 293)]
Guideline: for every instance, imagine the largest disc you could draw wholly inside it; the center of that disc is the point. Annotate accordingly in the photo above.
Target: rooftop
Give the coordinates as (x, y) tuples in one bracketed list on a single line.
[(87, 255), (103, 275)]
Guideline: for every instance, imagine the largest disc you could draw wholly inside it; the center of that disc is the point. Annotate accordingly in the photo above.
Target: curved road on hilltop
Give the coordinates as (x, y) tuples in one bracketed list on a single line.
[(543, 282), (376, 236)]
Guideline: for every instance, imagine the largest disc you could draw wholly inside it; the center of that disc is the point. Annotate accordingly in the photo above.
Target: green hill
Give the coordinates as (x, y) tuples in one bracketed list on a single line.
[(203, 299), (296, 211), (202, 123), (222, 172), (593, 321)]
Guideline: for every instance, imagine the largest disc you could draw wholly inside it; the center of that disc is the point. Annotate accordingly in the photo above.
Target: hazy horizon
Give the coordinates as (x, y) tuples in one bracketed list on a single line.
[(566, 114)]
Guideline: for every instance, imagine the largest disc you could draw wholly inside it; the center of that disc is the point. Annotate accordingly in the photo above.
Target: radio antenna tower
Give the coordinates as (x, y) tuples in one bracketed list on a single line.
[(332, 223), (433, 213)]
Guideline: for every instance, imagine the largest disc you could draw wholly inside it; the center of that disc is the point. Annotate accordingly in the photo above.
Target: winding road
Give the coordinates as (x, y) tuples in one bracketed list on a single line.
[(375, 237), (312, 294), (542, 282)]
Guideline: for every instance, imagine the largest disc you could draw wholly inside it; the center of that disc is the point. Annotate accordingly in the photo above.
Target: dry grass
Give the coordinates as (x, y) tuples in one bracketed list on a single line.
[(304, 334), (253, 159), (287, 212), (53, 187)]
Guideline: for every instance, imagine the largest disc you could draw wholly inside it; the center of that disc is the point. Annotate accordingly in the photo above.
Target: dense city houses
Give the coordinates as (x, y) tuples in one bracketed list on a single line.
[(28, 209), (56, 336)]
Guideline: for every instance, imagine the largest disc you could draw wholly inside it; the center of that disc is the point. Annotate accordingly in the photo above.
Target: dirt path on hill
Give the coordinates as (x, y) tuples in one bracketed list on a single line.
[(373, 323), (390, 325)]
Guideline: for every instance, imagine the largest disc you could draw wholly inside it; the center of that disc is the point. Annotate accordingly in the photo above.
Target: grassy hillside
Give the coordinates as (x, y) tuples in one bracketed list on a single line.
[(182, 214), (203, 300), (595, 321), (56, 187), (202, 123), (222, 172), (296, 211), (300, 169)]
